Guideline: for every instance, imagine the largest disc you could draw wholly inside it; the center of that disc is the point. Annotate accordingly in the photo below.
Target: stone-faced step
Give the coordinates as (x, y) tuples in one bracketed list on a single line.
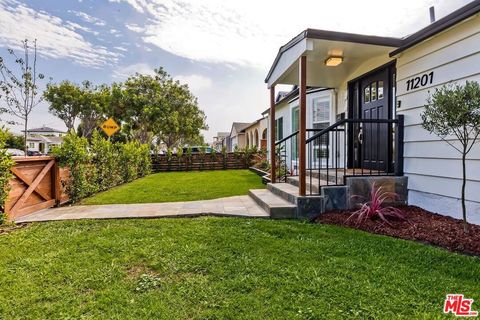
[(307, 206), (331, 175), (275, 206)]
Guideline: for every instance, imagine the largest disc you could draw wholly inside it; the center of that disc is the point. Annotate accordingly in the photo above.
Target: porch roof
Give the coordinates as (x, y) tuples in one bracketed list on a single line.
[(317, 46)]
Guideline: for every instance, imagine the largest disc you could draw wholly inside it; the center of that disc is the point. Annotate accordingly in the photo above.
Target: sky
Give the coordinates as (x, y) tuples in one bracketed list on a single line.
[(222, 49)]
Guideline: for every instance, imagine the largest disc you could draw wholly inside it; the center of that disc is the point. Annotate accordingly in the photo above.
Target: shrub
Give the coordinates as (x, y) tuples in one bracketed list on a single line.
[(260, 160), (6, 163), (144, 161), (104, 157), (74, 154), (101, 164), (375, 208)]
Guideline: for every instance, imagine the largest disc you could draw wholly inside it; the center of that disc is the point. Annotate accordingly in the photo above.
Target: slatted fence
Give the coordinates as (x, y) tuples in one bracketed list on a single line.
[(198, 162)]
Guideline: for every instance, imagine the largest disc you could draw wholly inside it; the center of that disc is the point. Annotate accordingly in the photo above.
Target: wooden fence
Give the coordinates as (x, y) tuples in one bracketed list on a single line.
[(198, 162), (36, 185)]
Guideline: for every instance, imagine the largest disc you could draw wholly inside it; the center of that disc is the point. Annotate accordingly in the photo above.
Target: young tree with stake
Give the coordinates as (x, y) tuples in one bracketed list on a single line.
[(20, 91), (454, 110)]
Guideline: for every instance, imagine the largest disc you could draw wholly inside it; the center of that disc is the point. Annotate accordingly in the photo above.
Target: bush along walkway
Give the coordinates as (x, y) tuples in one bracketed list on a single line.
[(238, 206)]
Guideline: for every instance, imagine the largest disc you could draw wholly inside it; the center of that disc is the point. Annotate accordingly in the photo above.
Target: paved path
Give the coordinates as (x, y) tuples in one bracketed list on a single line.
[(238, 206)]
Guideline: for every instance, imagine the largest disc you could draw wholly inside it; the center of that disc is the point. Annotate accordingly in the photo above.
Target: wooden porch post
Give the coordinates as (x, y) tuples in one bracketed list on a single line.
[(302, 190), (272, 135)]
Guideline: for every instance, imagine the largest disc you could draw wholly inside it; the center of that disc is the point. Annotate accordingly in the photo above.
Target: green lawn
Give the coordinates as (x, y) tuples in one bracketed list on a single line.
[(223, 268), (181, 186)]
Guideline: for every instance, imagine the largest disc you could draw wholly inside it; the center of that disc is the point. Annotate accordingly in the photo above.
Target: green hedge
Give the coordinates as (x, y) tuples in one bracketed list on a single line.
[(100, 164), (6, 163)]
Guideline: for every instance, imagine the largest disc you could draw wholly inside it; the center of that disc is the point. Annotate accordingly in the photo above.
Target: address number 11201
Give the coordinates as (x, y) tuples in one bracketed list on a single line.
[(420, 81)]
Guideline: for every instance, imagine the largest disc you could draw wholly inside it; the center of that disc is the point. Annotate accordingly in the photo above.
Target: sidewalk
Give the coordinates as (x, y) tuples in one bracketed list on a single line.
[(238, 206)]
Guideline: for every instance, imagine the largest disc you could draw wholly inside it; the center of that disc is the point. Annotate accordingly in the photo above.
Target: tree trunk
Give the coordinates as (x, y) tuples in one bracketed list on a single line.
[(464, 183), (25, 147)]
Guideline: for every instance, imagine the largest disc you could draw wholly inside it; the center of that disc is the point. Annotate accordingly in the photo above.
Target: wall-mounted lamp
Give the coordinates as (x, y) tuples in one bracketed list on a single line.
[(333, 61)]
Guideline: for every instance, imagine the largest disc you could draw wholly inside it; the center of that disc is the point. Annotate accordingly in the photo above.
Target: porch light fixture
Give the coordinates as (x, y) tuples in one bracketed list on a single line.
[(333, 61)]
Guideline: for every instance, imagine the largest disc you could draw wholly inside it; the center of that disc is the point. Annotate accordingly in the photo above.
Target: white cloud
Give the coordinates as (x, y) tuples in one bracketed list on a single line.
[(137, 4), (134, 27), (123, 72), (56, 38), (75, 26), (88, 18), (195, 82), (121, 49), (249, 32)]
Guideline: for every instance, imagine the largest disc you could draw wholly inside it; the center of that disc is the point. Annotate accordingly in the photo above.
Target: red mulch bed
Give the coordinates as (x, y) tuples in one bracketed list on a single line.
[(421, 225)]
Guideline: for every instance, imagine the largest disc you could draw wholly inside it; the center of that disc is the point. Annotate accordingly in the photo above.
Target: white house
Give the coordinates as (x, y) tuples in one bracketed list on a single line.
[(256, 134), (43, 139), (237, 136), (381, 85)]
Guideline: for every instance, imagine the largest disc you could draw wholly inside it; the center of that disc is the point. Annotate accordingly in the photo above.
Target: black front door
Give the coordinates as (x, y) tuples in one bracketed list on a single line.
[(374, 104)]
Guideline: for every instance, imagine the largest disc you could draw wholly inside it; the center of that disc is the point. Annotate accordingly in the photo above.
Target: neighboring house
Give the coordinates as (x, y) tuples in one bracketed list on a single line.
[(237, 136), (44, 139), (256, 134), (381, 85), (220, 140)]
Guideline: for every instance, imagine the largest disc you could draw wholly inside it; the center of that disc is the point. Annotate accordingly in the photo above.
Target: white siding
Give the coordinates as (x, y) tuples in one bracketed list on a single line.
[(434, 167)]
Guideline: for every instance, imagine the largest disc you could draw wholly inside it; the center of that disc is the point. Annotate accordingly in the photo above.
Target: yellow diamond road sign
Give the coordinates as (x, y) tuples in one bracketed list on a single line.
[(110, 127)]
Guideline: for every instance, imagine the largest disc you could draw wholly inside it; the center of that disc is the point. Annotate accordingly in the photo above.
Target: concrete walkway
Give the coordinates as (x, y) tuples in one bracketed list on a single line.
[(238, 206)]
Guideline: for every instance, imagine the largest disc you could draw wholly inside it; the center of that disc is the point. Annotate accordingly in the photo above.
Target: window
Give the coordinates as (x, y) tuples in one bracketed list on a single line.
[(295, 127), (366, 94), (321, 120), (31, 145), (321, 110), (373, 91), (380, 90), (279, 129)]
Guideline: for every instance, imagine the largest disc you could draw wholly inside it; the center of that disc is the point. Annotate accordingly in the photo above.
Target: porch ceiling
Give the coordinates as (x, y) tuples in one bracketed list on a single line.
[(318, 46)]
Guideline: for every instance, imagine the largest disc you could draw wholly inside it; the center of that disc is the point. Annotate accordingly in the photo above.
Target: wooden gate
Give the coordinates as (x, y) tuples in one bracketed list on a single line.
[(35, 186)]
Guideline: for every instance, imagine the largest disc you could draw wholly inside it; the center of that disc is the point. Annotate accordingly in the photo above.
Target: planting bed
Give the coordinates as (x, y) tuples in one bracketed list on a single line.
[(421, 225)]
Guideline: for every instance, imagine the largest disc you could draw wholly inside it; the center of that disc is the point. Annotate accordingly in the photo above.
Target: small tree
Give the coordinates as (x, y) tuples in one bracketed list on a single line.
[(19, 91), (454, 110)]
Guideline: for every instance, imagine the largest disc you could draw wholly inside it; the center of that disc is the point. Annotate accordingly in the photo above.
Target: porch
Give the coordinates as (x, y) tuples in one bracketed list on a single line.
[(365, 144)]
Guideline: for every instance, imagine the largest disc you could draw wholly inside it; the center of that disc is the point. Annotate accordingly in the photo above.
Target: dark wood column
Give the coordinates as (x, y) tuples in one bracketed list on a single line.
[(272, 134), (302, 154)]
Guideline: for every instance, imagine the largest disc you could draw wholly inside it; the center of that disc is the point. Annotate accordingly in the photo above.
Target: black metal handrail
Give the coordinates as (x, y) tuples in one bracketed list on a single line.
[(375, 148), (288, 166), (346, 148)]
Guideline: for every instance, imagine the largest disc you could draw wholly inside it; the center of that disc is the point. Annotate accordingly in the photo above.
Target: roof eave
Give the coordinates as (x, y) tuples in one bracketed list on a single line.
[(438, 26)]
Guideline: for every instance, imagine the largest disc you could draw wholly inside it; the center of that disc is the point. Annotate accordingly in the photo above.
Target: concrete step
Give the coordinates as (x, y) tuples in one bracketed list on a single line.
[(275, 206), (307, 206)]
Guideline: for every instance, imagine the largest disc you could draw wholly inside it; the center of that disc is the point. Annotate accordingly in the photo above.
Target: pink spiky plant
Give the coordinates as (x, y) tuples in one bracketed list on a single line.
[(375, 207)]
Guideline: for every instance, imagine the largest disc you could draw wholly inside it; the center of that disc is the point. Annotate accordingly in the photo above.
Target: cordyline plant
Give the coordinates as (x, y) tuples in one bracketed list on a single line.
[(375, 207), (454, 111)]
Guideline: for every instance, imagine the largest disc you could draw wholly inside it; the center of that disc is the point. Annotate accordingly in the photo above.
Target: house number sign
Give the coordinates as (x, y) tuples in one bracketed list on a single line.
[(420, 81)]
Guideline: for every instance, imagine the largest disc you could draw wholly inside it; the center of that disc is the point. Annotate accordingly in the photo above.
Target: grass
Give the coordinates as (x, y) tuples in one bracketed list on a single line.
[(223, 268), (180, 186)]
